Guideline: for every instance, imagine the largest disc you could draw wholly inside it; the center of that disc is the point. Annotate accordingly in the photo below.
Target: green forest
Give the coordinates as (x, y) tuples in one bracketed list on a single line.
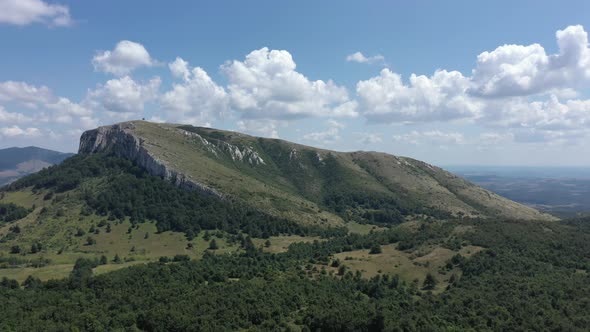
[(529, 275)]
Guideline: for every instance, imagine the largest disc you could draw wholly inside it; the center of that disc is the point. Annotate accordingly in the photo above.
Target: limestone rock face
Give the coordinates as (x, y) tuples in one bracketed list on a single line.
[(120, 140)]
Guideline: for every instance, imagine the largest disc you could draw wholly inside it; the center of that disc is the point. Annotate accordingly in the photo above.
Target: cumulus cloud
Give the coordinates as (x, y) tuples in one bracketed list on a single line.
[(513, 86), (25, 12), (27, 95), (258, 127), (328, 136), (516, 70), (123, 96), (361, 58), (433, 137), (12, 117), (441, 97), (266, 85), (126, 57), (197, 100), (44, 105), (18, 131)]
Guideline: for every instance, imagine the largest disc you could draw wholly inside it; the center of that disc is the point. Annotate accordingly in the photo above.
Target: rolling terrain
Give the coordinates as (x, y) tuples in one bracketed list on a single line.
[(18, 162), (299, 182), (160, 227), (561, 191)]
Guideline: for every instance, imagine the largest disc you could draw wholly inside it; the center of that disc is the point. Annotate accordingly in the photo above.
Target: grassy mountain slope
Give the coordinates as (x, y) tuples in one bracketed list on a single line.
[(18, 162), (254, 264), (313, 185)]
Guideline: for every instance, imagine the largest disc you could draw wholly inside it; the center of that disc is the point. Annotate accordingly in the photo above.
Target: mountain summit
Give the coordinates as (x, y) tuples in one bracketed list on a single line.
[(297, 182)]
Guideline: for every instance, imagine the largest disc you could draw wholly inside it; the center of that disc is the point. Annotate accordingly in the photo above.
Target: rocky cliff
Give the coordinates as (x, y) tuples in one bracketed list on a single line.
[(121, 140), (299, 182)]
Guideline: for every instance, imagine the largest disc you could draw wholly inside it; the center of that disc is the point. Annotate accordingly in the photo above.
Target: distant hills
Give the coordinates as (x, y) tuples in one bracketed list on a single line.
[(18, 162), (561, 191)]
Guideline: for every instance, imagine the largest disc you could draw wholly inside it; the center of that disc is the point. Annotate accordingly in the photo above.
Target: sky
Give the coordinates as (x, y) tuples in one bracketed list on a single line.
[(450, 83)]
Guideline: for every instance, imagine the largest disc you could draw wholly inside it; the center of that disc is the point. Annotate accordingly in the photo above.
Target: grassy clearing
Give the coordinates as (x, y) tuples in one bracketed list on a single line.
[(408, 266), (362, 229), (62, 244), (280, 244)]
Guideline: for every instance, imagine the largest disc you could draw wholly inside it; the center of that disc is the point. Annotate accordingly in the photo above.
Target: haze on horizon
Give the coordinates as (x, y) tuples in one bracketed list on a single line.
[(450, 84)]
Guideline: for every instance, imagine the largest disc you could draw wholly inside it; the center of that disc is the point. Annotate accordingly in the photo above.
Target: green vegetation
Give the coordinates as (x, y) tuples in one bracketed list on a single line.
[(122, 190), (98, 244), (504, 287), (315, 186), (11, 212)]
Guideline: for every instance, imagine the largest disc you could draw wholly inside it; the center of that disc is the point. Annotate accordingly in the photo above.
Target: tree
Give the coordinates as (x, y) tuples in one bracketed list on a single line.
[(375, 249), (267, 243), (35, 248), (341, 270), (117, 259), (15, 250), (103, 260), (108, 228), (32, 282), (15, 229), (213, 245), (90, 241), (429, 282), (82, 272)]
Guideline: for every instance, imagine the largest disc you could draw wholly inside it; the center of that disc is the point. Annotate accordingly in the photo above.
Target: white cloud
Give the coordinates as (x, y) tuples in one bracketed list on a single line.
[(126, 57), (361, 58), (27, 95), (123, 96), (441, 97), (516, 70), (10, 117), (266, 85), (197, 100), (433, 137), (18, 131), (260, 127), (550, 114), (45, 106), (25, 12), (370, 138), (511, 87), (179, 69), (328, 136)]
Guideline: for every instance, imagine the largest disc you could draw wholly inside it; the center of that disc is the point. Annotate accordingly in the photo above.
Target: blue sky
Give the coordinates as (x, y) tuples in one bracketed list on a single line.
[(335, 74)]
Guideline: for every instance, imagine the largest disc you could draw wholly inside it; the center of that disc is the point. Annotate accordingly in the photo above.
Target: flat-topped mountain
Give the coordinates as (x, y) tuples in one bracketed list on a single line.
[(18, 162), (297, 182)]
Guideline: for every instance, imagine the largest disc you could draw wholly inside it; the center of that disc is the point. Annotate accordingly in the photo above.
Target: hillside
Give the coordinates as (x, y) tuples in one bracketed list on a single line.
[(158, 227), (299, 182), (18, 162)]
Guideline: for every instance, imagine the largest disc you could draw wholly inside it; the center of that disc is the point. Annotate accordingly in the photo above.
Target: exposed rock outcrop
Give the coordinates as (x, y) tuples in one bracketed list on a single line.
[(120, 140)]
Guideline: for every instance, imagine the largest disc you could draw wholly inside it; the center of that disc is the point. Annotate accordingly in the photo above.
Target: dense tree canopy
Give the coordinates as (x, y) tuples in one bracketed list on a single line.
[(515, 284)]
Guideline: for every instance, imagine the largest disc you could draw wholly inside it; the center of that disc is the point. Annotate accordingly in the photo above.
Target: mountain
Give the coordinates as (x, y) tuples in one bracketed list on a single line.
[(162, 227), (18, 162), (298, 182)]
